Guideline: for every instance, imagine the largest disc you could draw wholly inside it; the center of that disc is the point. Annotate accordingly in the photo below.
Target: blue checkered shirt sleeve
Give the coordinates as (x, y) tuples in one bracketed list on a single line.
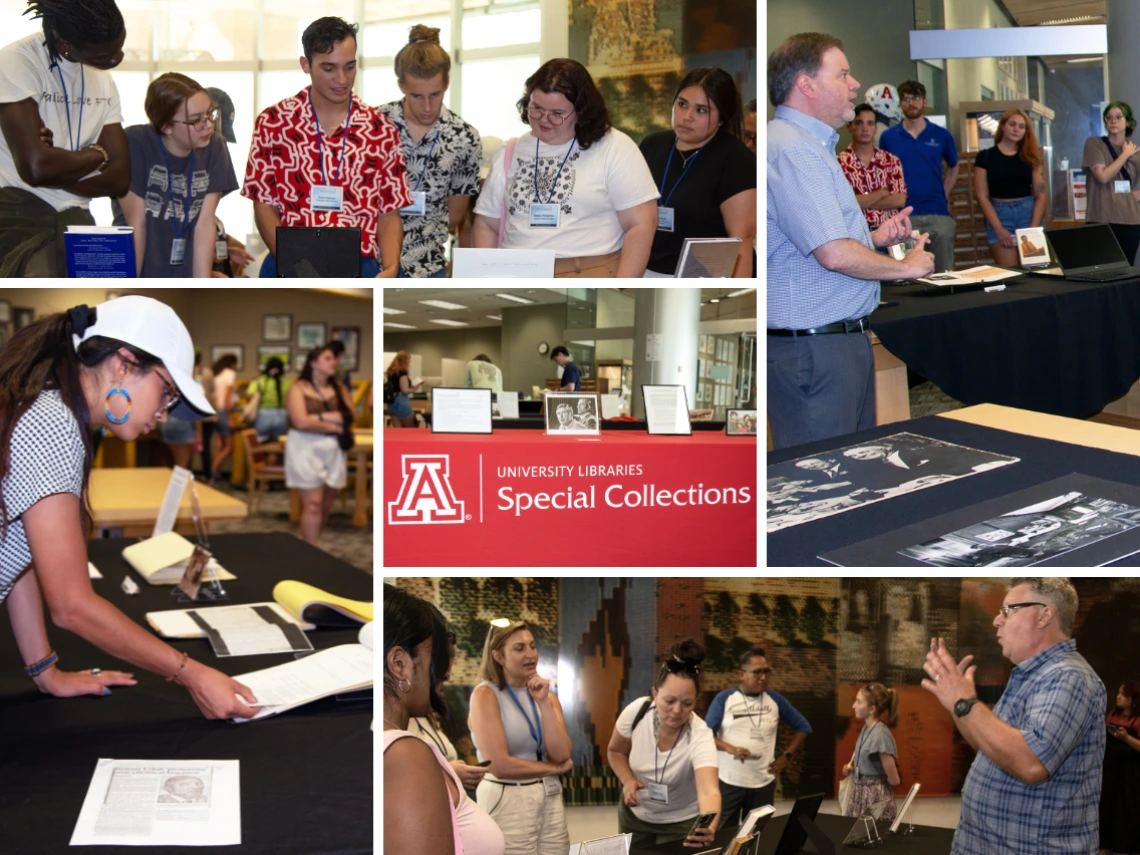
[(807, 209), (1056, 718)]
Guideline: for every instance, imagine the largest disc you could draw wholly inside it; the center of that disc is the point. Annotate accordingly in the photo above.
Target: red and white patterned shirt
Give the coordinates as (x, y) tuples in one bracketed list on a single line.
[(284, 165), (885, 171)]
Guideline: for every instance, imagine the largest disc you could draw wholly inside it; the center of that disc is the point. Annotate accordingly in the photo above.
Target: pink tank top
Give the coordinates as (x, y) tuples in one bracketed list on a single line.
[(474, 831)]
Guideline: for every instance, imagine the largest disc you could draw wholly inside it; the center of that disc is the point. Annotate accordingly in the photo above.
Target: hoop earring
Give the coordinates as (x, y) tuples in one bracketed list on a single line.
[(400, 685), (107, 406)]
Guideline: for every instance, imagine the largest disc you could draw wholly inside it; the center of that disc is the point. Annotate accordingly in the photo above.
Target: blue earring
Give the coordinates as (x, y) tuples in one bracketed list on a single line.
[(107, 406)]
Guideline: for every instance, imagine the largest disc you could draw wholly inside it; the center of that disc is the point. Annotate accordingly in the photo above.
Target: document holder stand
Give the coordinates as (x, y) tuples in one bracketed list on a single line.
[(821, 841), (211, 591)]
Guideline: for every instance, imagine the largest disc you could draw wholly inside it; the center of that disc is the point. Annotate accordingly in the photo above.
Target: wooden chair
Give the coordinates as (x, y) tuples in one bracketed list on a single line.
[(260, 470)]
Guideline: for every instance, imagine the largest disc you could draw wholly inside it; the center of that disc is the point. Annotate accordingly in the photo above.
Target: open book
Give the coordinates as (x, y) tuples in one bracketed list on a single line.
[(344, 668), (311, 605), (973, 276), (162, 560)]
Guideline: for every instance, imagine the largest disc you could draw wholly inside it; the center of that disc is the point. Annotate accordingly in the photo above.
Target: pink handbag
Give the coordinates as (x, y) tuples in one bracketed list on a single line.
[(506, 187)]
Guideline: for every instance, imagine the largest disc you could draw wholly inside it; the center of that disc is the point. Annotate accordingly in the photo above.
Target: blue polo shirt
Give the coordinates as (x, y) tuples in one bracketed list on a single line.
[(571, 374), (922, 165)]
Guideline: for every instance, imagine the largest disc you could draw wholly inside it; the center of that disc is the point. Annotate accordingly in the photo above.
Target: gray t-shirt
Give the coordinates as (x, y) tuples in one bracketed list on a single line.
[(213, 173), (871, 743), (1105, 205)]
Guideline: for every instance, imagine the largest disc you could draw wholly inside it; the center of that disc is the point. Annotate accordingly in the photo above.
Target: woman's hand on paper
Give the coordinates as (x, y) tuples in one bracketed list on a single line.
[(216, 694), (70, 684)]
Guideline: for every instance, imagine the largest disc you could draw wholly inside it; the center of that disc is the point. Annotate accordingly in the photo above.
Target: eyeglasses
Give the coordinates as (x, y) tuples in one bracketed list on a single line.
[(556, 117), (911, 99), (171, 392), (749, 138), (759, 672), (199, 124), (1012, 607)]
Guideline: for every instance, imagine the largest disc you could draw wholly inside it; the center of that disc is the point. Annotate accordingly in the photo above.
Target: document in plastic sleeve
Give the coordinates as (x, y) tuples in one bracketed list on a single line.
[(161, 803)]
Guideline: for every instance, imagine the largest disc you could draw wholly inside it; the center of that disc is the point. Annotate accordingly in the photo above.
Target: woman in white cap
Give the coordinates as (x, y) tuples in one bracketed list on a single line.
[(123, 366)]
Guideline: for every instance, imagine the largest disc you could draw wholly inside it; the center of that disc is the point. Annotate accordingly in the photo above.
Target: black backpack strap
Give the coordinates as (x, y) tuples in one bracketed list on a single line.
[(640, 715)]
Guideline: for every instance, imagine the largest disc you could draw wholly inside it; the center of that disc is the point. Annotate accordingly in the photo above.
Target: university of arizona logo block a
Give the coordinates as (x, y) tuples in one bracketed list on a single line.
[(425, 493)]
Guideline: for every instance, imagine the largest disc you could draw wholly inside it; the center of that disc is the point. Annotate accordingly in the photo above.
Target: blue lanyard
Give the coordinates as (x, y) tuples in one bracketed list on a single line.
[(554, 186), (73, 142), (536, 734), (320, 145), (676, 739), (170, 184), (428, 161), (669, 163), (1124, 168)]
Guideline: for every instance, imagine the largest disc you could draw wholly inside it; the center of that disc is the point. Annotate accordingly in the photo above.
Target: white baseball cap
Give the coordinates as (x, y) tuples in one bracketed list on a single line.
[(153, 327)]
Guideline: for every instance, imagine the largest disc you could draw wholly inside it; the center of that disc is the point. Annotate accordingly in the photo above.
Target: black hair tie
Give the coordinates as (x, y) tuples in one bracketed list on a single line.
[(82, 318)]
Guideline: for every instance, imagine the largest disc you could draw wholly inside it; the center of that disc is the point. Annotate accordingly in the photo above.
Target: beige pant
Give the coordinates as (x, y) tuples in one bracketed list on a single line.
[(532, 822), (587, 267)]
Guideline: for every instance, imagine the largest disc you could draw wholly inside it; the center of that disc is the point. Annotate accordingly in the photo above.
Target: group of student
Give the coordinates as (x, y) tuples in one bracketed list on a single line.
[(673, 765), (404, 174)]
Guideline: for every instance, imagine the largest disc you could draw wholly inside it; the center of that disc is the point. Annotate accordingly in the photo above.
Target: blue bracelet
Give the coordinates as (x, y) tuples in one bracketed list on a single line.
[(41, 666)]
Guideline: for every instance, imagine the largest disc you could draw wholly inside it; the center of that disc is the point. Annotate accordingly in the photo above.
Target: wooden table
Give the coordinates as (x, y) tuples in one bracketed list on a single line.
[(128, 501), (1058, 428), (361, 453)]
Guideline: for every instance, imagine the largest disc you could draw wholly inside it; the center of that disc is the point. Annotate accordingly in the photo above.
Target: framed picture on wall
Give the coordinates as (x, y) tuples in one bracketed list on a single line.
[(5, 312), (299, 360), (265, 352), (24, 317), (310, 335), (277, 328), (350, 336), (217, 351)]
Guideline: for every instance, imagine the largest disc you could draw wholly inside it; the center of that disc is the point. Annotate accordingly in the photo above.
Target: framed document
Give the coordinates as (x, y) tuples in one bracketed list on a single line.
[(217, 351), (460, 410), (666, 410), (276, 327), (572, 414)]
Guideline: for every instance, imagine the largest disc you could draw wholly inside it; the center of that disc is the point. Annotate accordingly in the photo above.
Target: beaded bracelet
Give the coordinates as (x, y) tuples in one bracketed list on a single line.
[(38, 668), (181, 668)]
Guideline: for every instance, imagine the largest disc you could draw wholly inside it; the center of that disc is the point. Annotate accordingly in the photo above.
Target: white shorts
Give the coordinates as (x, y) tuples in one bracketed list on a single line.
[(532, 822), (314, 460)]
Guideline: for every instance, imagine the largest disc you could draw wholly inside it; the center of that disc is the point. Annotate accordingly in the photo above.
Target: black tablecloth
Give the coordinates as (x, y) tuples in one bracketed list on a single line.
[(925, 840), (306, 775), (1042, 344), (1041, 460)]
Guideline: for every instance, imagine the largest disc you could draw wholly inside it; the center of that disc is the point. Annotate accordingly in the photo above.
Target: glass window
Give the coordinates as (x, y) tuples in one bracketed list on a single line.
[(284, 21), (380, 85), (386, 38), (490, 89), (274, 86), (486, 30), (132, 86), (205, 30), (15, 23)]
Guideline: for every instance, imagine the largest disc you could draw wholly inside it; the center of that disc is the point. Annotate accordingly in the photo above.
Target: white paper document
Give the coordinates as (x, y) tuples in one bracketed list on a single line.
[(508, 405), (666, 410), (168, 512), (344, 668), (249, 630), (460, 410), (502, 263), (617, 845), (161, 803)]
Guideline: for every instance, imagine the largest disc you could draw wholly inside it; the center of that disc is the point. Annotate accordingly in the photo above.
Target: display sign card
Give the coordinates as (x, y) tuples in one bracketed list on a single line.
[(502, 263), (831, 482), (617, 845), (460, 410), (572, 414), (708, 258), (611, 405), (1075, 521), (666, 410), (505, 405), (168, 512), (1032, 249)]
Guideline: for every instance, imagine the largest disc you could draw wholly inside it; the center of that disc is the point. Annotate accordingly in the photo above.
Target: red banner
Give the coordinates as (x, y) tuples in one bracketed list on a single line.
[(521, 498)]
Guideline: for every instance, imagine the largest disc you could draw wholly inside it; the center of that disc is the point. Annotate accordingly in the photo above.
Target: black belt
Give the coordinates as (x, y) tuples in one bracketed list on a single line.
[(861, 325), (513, 783)]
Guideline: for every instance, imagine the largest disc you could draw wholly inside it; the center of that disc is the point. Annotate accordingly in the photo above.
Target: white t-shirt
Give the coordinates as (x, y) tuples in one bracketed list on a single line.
[(610, 176), (749, 722), (696, 749), (25, 72)]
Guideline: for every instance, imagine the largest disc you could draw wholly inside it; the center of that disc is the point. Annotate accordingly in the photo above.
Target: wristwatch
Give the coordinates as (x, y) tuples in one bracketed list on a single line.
[(963, 706)]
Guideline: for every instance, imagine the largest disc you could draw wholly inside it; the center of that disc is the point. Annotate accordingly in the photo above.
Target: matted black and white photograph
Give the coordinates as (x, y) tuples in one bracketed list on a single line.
[(1031, 534), (815, 487), (572, 413)]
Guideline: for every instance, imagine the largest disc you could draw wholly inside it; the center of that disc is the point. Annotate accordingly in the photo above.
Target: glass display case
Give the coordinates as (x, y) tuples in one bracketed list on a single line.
[(619, 374)]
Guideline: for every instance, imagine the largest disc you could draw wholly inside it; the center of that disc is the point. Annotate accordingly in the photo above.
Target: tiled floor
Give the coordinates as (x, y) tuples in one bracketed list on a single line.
[(590, 823)]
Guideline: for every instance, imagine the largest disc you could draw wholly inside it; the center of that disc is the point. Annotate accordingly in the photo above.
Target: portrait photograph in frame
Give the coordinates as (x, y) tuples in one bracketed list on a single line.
[(311, 334), (277, 328), (572, 414), (217, 351)]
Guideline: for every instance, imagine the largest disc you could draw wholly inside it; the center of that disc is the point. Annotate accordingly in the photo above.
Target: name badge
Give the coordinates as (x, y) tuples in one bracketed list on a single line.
[(664, 219), (419, 203), (325, 197), (1122, 186), (552, 785), (178, 251), (658, 793), (221, 250), (756, 733), (545, 216)]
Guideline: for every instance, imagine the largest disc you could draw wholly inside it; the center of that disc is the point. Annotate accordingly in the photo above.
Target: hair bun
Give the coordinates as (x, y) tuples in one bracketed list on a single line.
[(423, 33), (689, 653)]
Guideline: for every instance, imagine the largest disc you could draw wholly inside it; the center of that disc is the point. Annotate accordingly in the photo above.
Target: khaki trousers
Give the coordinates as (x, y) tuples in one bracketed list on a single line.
[(587, 267), (532, 822)]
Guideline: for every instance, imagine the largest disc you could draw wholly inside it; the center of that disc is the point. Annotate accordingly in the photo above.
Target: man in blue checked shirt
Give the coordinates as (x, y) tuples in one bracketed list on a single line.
[(823, 270), (1035, 783)]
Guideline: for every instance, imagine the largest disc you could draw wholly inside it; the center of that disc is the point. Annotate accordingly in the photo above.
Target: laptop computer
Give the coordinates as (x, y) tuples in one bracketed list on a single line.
[(1090, 253), (318, 253)]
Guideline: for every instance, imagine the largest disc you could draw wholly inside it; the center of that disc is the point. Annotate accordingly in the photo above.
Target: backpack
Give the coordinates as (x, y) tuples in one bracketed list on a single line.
[(391, 389)]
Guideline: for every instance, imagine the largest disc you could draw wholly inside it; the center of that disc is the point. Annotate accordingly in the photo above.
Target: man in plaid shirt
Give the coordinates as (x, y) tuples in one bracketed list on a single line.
[(1035, 783)]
